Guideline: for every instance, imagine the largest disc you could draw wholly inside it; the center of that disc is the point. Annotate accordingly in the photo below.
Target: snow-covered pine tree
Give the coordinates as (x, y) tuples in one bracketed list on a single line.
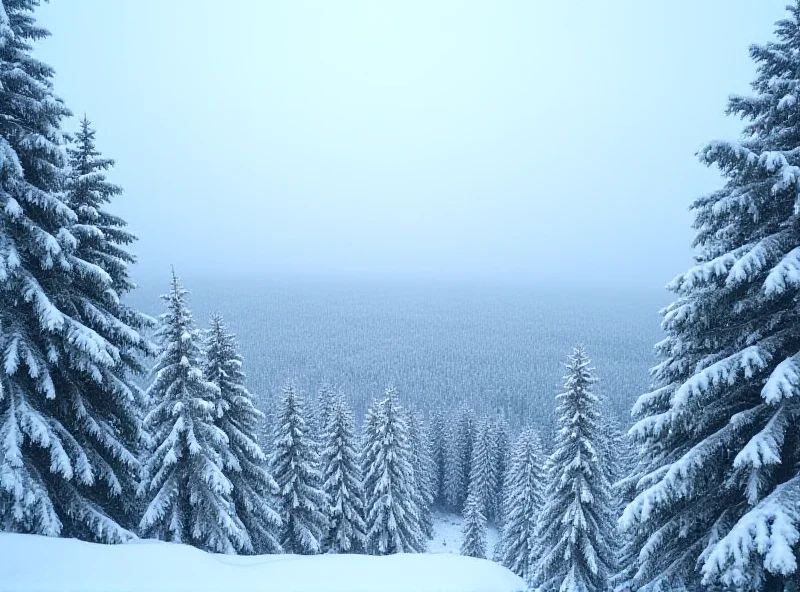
[(69, 417), (326, 399), (103, 240), (453, 477), (483, 470), (502, 444), (577, 519), (464, 441), (187, 493), (421, 462), (392, 515), (722, 486), (342, 481), (522, 502), (619, 460), (302, 503), (254, 488), (474, 530), (87, 193), (438, 439), (630, 540)]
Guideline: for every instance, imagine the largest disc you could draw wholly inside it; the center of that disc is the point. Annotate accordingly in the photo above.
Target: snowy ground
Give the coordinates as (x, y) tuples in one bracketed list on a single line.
[(447, 535), (30, 563)]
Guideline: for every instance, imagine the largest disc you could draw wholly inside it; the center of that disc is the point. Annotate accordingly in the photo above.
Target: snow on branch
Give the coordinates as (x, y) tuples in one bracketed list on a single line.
[(770, 530)]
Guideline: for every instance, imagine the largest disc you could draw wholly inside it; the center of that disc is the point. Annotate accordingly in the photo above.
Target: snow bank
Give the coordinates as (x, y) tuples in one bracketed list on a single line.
[(31, 563)]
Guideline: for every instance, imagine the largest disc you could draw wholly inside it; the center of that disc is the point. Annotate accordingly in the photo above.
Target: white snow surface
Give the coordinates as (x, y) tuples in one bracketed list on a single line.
[(31, 563), (448, 534)]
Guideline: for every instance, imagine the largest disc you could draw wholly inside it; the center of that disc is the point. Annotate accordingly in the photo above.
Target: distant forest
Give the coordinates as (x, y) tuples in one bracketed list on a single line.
[(496, 349)]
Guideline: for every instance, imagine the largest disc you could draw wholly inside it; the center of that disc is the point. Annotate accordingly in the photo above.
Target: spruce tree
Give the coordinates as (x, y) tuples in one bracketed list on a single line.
[(474, 530), (483, 469), (246, 467), (502, 443), (302, 503), (522, 502), (87, 193), (392, 514), (619, 460), (453, 477), (326, 399), (342, 481), (421, 463), (577, 519), (461, 459), (69, 411), (438, 437), (718, 498), (629, 541), (187, 493)]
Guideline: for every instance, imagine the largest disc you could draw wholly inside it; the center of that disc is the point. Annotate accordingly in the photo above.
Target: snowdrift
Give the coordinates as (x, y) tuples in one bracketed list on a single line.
[(30, 563)]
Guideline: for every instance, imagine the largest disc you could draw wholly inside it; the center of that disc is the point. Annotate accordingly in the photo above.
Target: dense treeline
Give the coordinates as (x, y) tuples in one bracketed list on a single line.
[(707, 487), (479, 346)]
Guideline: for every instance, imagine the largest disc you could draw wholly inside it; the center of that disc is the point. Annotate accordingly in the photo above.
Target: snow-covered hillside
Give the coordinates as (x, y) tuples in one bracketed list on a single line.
[(31, 563)]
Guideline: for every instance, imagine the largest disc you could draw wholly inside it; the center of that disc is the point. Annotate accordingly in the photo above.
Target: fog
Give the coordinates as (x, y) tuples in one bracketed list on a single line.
[(546, 142)]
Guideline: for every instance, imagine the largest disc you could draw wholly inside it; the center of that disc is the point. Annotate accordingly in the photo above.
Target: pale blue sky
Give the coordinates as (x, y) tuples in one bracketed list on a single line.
[(543, 141)]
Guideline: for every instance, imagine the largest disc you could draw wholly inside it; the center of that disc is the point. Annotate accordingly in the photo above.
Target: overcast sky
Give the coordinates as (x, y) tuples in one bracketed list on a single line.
[(542, 141)]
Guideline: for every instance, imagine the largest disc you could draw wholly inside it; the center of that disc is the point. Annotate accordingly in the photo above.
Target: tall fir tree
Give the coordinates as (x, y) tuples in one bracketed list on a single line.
[(183, 482), (474, 530), (464, 441), (630, 539), (483, 469), (577, 520), (302, 503), (522, 503), (618, 461), (422, 464), (438, 437), (453, 477), (254, 488), (322, 409), (392, 514), (721, 488), (342, 481), (502, 442), (69, 410), (88, 192)]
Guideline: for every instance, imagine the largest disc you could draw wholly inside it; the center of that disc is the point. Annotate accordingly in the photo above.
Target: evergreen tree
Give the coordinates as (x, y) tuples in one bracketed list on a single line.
[(630, 540), (522, 502), (453, 477), (342, 481), (421, 463), (69, 411), (253, 486), (87, 193), (474, 531), (103, 241), (326, 399), (464, 441), (392, 514), (577, 520), (483, 475), (721, 488), (302, 504), (618, 462), (438, 438), (502, 442), (188, 495)]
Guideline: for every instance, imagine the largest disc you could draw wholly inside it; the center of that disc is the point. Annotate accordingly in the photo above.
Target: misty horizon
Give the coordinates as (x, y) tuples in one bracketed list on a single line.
[(552, 145)]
